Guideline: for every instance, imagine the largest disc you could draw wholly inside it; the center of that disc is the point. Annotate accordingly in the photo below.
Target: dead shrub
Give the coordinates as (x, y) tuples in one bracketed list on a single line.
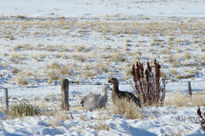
[(127, 109), (150, 88), (21, 17)]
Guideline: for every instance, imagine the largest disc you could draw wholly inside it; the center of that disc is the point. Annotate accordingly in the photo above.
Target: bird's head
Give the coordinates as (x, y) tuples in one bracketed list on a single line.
[(113, 80), (106, 87)]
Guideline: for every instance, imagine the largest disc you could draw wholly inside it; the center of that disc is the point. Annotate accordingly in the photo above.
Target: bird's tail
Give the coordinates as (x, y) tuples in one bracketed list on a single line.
[(137, 101)]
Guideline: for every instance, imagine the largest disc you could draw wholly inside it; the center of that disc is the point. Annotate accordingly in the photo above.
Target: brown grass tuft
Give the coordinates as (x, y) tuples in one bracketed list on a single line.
[(101, 126), (22, 80), (55, 119), (180, 100), (127, 109)]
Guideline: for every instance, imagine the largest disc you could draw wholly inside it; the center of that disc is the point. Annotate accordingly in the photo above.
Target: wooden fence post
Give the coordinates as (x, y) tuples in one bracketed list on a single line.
[(6, 99), (64, 94), (189, 88)]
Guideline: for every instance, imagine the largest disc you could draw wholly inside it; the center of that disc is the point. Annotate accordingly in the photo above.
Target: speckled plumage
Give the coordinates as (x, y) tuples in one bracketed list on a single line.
[(117, 94)]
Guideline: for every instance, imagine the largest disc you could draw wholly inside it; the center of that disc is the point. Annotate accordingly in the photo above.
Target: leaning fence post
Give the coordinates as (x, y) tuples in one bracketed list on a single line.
[(64, 94), (189, 88), (6, 99)]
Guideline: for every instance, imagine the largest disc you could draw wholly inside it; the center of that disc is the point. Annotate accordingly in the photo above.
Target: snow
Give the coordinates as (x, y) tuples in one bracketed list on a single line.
[(167, 123), (156, 120), (33, 44), (77, 8)]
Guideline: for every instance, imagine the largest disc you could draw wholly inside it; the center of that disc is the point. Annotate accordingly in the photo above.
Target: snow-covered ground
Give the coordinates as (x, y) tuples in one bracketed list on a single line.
[(78, 8), (167, 120), (89, 41)]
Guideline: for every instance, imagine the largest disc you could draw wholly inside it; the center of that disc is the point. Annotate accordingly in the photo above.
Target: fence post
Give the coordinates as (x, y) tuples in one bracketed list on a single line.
[(6, 99), (189, 88), (64, 94)]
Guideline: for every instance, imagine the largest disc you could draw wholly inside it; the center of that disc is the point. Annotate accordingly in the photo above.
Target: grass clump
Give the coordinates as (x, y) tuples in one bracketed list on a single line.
[(55, 70), (127, 109), (22, 81), (180, 100), (101, 127), (15, 70), (57, 118), (24, 110)]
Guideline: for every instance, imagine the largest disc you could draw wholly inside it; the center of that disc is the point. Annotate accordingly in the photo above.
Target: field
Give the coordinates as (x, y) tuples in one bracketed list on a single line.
[(88, 42)]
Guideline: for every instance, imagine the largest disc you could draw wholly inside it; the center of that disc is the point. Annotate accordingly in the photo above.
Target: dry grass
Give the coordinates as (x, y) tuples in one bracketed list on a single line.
[(83, 118), (101, 126), (90, 74), (23, 109), (15, 70), (21, 80), (127, 109), (203, 57), (180, 100), (118, 57), (187, 56), (55, 70), (102, 66), (185, 76), (173, 72), (52, 75), (55, 118), (120, 43), (80, 58)]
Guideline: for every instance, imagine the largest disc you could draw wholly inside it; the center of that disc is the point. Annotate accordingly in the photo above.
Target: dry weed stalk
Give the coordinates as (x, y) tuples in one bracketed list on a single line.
[(149, 88), (202, 116)]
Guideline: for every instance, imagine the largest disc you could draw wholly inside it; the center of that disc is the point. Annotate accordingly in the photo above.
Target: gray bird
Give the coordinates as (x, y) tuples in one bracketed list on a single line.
[(94, 101)]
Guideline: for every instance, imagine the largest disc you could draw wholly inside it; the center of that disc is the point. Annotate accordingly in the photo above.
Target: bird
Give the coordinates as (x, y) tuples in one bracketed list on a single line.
[(94, 101), (119, 95)]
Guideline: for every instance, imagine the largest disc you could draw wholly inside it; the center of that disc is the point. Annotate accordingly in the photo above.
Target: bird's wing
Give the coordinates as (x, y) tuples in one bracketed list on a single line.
[(85, 98), (95, 99), (103, 101), (132, 97), (91, 100)]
